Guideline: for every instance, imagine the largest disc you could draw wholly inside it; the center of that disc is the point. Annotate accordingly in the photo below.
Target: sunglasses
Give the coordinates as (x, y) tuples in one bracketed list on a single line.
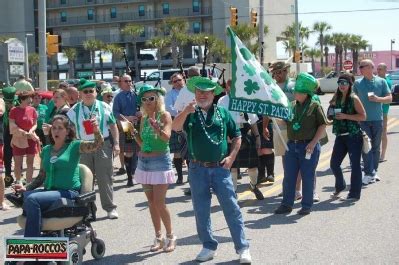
[(148, 99), (88, 91), (110, 96), (363, 66), (343, 83), (127, 81), (177, 80)]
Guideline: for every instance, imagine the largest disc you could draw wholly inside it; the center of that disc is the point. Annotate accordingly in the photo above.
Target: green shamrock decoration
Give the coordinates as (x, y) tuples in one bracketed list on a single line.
[(246, 53), (251, 71), (251, 87), (276, 94), (266, 77)]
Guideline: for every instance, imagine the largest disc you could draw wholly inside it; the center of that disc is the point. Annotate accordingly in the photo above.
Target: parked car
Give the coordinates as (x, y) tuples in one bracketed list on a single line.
[(328, 84), (394, 76), (164, 76)]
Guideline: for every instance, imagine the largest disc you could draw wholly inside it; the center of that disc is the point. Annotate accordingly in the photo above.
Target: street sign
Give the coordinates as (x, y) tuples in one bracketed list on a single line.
[(84, 74), (16, 69), (16, 51), (348, 65)]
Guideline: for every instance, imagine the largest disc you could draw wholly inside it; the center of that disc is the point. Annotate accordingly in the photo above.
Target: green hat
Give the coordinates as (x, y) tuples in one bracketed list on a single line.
[(305, 84), (106, 88), (83, 83), (278, 66), (9, 93), (23, 85), (147, 88), (204, 84)]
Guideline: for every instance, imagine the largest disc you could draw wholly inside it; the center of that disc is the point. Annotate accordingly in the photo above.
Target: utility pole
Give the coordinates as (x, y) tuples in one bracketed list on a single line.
[(27, 55), (42, 45), (392, 42), (261, 29), (297, 35)]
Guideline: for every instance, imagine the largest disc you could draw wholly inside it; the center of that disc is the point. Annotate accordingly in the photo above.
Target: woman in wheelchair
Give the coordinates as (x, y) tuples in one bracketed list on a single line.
[(59, 172)]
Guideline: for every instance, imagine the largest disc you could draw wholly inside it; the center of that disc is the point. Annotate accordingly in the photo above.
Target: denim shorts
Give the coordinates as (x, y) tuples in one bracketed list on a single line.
[(155, 163)]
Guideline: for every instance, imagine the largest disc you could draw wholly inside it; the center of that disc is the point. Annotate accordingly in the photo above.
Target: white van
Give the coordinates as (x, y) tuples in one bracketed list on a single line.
[(164, 76)]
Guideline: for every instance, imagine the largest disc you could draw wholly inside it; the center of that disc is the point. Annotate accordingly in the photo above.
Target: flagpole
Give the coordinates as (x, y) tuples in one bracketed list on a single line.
[(279, 133)]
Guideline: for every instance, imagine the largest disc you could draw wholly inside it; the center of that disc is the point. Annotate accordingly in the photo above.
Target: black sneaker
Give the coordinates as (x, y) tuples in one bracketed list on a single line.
[(304, 211), (262, 179), (15, 199), (187, 192), (179, 181), (130, 183), (258, 194), (283, 209), (270, 178), (8, 181), (121, 171)]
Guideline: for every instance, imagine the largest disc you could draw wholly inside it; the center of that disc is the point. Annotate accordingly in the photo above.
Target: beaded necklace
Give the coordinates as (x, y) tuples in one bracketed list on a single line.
[(216, 117)]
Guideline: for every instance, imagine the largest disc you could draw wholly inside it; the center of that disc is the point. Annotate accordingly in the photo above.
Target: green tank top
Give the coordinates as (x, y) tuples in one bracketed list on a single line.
[(346, 126), (151, 140)]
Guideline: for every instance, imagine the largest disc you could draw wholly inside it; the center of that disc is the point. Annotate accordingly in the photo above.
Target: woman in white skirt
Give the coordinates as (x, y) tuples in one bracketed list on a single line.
[(154, 169)]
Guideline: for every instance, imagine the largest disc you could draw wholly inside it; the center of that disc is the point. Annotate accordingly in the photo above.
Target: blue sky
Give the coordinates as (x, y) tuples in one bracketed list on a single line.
[(377, 27)]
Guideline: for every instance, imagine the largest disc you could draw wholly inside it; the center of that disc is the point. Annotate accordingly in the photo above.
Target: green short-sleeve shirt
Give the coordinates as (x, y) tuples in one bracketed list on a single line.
[(63, 174), (310, 122), (198, 142)]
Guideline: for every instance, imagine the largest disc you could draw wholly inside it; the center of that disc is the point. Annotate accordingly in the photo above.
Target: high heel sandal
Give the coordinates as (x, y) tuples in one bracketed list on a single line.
[(170, 243), (159, 243)]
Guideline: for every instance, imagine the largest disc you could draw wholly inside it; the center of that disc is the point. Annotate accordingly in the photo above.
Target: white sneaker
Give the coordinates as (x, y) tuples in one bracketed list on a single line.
[(316, 197), (245, 256), (298, 195), (113, 214), (367, 179), (205, 255), (376, 178)]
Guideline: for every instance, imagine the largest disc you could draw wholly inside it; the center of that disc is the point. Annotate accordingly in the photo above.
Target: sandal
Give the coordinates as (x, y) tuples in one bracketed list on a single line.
[(159, 243), (335, 194), (170, 243), (4, 207)]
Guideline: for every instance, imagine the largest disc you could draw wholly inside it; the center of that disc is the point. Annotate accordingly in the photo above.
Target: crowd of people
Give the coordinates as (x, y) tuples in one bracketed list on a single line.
[(150, 131)]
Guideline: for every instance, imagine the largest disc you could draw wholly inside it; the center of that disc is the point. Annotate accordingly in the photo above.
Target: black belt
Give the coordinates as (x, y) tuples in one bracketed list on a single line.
[(300, 141), (207, 164)]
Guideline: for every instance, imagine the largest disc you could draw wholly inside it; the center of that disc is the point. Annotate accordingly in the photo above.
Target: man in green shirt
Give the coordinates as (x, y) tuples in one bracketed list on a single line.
[(208, 127), (41, 110)]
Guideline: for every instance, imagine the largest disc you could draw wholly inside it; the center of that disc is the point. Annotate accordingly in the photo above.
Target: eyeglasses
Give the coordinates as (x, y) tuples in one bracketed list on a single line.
[(343, 83), (363, 66), (149, 99), (88, 91), (110, 96), (177, 80), (127, 81)]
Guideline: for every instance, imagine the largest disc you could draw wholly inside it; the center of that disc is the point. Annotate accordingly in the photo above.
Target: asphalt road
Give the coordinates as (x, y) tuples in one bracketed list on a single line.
[(364, 232)]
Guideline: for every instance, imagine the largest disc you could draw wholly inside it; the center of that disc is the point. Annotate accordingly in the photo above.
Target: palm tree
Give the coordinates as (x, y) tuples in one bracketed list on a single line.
[(116, 52), (356, 44), (93, 45), (34, 60), (159, 43), (327, 42), (218, 52), (176, 29), (247, 33), (321, 28), (337, 40), (289, 36), (313, 53), (134, 30), (70, 54), (345, 44)]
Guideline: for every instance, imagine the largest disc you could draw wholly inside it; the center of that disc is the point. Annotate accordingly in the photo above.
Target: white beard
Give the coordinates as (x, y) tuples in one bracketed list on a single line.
[(205, 104)]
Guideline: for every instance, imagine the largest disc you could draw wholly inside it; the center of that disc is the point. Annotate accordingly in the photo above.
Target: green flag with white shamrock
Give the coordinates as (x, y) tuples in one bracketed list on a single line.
[(252, 89)]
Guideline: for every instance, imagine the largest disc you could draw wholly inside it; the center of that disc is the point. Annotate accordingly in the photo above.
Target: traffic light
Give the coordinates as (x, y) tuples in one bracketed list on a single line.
[(53, 44), (298, 57), (254, 18), (233, 16)]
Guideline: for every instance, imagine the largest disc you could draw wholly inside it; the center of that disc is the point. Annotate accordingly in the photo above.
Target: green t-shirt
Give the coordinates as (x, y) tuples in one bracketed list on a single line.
[(41, 115), (63, 174), (198, 135), (49, 111), (309, 121)]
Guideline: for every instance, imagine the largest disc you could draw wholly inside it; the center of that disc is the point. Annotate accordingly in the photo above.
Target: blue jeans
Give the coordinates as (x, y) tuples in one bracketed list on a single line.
[(201, 180), (371, 160), (38, 201), (351, 145), (294, 161)]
